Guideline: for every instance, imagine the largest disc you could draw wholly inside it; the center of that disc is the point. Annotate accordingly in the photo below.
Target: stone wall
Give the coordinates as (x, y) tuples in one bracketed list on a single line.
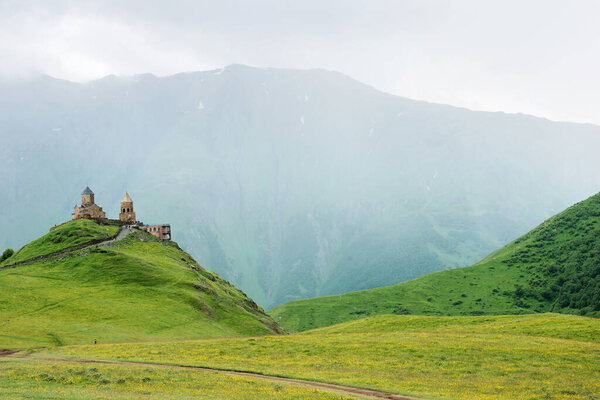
[(92, 211), (101, 221)]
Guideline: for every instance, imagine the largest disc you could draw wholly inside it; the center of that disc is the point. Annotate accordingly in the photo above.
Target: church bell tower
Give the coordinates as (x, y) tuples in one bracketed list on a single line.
[(127, 214), (87, 196)]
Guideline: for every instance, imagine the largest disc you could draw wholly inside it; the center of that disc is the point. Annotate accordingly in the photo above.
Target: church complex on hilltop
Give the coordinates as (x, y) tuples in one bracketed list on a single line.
[(90, 210)]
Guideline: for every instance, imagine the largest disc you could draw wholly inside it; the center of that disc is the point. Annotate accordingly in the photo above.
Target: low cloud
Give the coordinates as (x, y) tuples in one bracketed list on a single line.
[(538, 57)]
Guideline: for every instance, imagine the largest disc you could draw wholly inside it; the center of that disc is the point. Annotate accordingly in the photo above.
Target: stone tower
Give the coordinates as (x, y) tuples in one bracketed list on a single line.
[(127, 214), (87, 196)]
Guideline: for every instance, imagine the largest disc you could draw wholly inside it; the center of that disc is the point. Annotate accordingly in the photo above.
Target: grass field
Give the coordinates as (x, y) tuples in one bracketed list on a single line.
[(24, 379), (541, 325), (139, 289), (553, 268), (142, 299), (545, 356), (71, 234)]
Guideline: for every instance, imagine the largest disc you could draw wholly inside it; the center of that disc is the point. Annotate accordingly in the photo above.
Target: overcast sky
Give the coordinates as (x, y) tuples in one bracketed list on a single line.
[(536, 57)]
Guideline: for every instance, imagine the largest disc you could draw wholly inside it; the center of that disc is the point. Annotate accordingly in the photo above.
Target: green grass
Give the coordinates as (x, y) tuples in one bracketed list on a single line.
[(549, 325), (70, 234), (138, 290), (546, 356), (554, 268), (24, 379)]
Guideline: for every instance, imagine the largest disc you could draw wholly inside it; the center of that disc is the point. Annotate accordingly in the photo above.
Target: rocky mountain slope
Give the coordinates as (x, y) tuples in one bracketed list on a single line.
[(290, 184)]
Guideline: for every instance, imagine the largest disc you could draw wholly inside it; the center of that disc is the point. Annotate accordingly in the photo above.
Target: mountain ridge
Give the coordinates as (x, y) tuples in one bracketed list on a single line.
[(291, 184), (144, 75)]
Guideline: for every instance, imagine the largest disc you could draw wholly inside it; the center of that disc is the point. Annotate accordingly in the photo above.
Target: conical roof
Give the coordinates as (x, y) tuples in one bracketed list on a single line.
[(87, 190), (126, 198)]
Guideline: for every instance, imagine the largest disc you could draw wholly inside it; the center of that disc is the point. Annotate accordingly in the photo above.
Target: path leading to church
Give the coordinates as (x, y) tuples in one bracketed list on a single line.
[(123, 232)]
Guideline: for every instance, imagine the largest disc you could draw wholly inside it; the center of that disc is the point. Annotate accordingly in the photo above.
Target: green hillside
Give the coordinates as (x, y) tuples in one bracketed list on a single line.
[(136, 289), (555, 267), (67, 235), (548, 325)]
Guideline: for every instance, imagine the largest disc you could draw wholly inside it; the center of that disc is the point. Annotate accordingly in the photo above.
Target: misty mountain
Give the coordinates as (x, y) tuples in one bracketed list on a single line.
[(290, 184)]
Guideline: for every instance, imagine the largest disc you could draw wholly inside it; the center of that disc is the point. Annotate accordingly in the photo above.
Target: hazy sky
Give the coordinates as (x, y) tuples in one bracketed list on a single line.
[(537, 57)]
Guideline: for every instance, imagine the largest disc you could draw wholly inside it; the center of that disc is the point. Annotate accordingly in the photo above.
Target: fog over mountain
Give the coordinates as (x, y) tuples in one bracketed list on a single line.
[(289, 183)]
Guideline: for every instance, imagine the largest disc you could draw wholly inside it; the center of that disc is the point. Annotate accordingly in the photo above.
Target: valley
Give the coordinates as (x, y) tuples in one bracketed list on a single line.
[(288, 183), (553, 268), (95, 310)]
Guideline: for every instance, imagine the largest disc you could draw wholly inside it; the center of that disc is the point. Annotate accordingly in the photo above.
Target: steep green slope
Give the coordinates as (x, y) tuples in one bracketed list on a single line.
[(67, 235), (555, 267), (136, 289)]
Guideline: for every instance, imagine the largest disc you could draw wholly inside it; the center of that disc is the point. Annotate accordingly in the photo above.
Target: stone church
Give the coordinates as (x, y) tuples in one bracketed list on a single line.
[(89, 209)]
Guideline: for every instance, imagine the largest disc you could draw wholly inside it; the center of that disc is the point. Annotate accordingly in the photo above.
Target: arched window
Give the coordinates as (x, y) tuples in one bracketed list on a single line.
[(123, 210), (128, 210)]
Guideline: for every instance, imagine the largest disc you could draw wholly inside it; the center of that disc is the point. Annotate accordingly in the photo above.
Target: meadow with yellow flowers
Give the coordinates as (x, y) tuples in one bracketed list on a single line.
[(37, 379), (545, 356)]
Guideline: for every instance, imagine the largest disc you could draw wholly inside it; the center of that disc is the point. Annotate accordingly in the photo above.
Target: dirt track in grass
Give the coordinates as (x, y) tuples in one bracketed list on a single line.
[(361, 393)]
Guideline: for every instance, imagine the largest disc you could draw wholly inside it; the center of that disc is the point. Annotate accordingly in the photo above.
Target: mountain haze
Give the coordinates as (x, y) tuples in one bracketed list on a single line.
[(288, 183), (553, 268)]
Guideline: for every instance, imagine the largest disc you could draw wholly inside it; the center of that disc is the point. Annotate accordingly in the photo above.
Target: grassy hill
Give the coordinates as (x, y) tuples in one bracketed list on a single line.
[(555, 267), (71, 234), (136, 289), (536, 356)]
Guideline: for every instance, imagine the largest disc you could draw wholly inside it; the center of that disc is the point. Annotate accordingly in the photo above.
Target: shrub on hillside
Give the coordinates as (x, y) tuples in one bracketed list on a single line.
[(7, 254)]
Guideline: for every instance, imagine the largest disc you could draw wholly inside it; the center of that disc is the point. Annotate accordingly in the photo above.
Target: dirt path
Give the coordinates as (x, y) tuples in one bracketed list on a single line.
[(123, 232), (357, 392)]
